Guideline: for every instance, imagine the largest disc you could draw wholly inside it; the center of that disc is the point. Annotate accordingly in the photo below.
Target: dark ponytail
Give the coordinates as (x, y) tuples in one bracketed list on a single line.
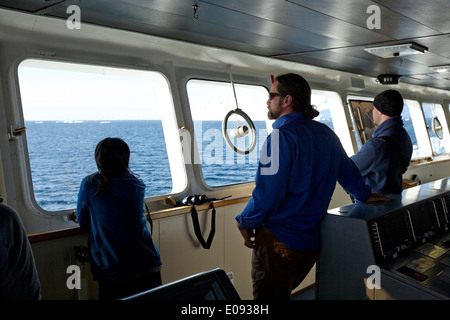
[(298, 88)]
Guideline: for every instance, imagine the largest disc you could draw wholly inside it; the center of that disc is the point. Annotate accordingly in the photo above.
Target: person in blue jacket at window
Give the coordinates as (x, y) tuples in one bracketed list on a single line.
[(299, 165), (383, 159), (110, 205)]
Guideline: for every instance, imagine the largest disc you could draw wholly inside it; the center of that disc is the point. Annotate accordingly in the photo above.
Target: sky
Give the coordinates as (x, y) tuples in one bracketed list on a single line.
[(95, 93), (67, 92)]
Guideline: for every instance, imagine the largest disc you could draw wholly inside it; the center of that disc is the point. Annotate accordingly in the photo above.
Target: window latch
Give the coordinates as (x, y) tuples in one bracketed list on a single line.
[(16, 131)]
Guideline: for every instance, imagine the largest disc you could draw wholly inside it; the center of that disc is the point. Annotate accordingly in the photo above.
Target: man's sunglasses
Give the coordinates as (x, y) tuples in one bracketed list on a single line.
[(273, 95)]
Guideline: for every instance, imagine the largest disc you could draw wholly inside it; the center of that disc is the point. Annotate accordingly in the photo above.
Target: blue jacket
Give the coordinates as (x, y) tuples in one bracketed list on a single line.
[(119, 239), (296, 179), (382, 161)]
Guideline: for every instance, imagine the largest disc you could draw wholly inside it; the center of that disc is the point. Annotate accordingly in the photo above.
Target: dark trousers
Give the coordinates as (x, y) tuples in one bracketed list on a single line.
[(120, 286), (277, 269)]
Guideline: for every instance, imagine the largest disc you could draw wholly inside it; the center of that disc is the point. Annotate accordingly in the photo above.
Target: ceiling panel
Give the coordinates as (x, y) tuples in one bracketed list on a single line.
[(434, 14), (300, 17), (326, 33), (393, 24), (29, 5)]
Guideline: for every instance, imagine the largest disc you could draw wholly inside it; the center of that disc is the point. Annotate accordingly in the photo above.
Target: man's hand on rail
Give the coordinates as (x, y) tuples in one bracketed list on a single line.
[(377, 197)]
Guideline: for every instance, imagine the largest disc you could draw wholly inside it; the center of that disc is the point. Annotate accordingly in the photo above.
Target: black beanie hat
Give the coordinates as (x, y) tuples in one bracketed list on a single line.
[(389, 102)]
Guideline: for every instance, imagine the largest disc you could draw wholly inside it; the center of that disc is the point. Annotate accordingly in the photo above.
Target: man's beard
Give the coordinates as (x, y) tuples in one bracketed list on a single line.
[(273, 116)]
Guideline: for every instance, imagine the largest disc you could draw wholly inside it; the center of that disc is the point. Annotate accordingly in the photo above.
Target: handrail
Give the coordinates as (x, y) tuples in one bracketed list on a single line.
[(156, 215), (55, 234)]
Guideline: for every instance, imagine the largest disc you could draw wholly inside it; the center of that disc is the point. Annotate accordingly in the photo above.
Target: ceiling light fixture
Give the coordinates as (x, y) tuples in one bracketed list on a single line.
[(441, 69), (397, 50), (388, 78)]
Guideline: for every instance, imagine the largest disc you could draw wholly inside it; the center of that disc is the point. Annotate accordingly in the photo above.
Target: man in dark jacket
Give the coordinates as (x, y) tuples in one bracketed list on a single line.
[(19, 279), (383, 159)]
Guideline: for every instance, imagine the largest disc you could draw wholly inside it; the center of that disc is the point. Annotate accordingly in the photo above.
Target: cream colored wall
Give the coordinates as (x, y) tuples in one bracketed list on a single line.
[(180, 250), (181, 253), (183, 256), (52, 258)]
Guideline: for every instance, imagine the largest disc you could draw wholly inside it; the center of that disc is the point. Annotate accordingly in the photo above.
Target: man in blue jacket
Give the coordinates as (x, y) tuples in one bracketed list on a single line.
[(383, 159), (295, 180)]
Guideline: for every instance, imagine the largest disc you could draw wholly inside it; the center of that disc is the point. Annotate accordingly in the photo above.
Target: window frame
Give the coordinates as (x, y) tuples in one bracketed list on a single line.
[(356, 134), (418, 122), (338, 118), (443, 119), (420, 130), (197, 155), (175, 159)]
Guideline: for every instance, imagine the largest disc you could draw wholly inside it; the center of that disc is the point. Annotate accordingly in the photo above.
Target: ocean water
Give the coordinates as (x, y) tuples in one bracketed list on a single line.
[(62, 154)]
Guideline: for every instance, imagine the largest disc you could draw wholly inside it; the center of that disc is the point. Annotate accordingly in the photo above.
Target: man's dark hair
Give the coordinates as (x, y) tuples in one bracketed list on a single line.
[(298, 88)]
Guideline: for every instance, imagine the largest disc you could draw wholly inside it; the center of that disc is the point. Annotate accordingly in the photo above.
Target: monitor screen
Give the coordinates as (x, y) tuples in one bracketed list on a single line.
[(209, 285)]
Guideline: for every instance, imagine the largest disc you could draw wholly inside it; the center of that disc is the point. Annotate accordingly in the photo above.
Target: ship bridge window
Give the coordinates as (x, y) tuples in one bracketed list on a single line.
[(331, 109), (68, 108), (210, 101), (414, 123), (437, 127), (412, 119)]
